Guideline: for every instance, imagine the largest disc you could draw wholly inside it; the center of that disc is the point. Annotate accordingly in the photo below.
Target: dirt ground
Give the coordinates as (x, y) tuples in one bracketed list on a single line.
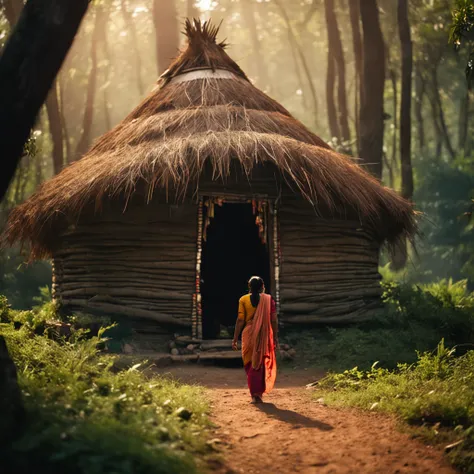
[(291, 433)]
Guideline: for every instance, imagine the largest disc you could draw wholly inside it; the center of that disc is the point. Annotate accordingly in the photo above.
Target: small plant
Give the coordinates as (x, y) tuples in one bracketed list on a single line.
[(435, 394), (84, 416)]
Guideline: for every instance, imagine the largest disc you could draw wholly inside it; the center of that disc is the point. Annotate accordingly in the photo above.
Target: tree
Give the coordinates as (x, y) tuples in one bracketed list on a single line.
[(354, 13), (339, 123), (167, 32), (248, 12), (371, 116), (29, 64), (462, 32), (88, 117), (400, 257), (128, 20), (56, 128), (405, 110), (12, 9)]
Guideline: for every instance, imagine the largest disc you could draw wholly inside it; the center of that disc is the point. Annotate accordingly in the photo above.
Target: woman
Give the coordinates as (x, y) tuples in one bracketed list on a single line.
[(258, 319)]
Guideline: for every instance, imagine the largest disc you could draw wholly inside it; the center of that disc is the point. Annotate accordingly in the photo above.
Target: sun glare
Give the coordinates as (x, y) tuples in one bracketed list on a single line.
[(205, 5)]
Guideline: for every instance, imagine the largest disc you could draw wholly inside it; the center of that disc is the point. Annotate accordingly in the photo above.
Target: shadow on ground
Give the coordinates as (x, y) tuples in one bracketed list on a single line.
[(291, 417)]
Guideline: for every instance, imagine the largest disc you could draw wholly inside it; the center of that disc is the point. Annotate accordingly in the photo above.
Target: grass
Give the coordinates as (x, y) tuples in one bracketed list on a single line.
[(84, 416), (435, 394)]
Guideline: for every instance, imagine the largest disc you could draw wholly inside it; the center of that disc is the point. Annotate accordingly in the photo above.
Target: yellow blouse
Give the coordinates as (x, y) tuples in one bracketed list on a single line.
[(246, 309)]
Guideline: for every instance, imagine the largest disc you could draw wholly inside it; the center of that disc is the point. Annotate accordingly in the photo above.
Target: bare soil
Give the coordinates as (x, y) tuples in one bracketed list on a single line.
[(290, 432)]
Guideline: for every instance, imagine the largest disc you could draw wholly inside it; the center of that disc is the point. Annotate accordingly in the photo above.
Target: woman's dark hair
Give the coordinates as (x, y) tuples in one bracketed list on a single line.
[(256, 287)]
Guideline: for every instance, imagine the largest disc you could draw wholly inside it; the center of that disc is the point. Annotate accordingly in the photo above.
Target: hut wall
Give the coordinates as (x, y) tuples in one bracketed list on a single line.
[(329, 268), (143, 259)]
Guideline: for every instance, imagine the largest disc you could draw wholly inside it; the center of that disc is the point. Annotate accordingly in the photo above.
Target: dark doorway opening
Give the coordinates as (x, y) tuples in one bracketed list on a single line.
[(232, 253)]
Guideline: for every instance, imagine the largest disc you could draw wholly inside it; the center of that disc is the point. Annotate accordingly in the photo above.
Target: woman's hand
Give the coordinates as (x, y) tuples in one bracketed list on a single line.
[(234, 345)]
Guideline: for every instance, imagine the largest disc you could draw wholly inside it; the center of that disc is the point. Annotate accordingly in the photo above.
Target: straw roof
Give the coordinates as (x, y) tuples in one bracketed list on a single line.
[(205, 110)]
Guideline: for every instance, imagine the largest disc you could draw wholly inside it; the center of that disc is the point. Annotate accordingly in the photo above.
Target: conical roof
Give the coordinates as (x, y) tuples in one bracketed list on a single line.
[(204, 110)]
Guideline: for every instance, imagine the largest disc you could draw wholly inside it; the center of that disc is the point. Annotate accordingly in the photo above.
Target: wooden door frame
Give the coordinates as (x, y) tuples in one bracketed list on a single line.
[(273, 242)]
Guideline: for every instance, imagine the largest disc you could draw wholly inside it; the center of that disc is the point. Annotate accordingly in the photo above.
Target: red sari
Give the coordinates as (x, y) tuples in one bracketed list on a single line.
[(258, 349)]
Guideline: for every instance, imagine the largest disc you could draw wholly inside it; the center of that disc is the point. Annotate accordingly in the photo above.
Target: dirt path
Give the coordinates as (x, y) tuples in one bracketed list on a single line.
[(290, 433)]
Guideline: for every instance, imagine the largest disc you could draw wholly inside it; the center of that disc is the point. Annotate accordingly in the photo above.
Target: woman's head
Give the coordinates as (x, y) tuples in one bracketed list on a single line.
[(256, 285)]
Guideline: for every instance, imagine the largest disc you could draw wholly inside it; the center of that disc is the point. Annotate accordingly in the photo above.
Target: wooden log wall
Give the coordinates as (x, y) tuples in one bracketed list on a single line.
[(142, 262), (329, 268)]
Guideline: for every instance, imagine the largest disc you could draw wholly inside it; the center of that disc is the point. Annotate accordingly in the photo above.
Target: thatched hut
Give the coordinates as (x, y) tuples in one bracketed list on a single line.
[(205, 183)]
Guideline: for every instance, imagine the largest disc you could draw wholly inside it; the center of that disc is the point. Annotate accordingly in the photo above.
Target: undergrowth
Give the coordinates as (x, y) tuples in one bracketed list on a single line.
[(436, 393), (84, 416), (414, 318)]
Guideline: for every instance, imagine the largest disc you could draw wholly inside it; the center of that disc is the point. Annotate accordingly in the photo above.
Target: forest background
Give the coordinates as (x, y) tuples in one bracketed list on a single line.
[(414, 130)]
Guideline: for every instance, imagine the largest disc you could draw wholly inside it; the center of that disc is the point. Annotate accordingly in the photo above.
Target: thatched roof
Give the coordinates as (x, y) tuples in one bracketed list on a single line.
[(205, 110)]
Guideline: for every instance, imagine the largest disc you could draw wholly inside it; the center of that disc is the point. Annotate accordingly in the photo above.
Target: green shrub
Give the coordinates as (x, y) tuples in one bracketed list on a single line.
[(414, 319), (436, 391), (85, 417)]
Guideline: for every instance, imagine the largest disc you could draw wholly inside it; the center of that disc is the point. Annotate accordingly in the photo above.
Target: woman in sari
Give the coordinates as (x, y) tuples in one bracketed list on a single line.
[(258, 319)]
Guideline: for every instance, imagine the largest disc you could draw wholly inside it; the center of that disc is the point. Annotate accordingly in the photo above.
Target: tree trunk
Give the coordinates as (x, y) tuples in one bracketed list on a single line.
[(420, 89), (88, 118), (371, 110), (439, 107), (167, 32), (248, 12), (354, 13), (30, 61), (464, 107), (405, 110), (330, 103), (400, 257), (12, 414), (304, 63), (55, 128), (103, 38), (67, 142), (129, 23), (336, 51), (393, 78)]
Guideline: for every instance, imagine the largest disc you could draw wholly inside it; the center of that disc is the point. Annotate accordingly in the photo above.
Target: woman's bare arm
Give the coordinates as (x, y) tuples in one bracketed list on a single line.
[(239, 325)]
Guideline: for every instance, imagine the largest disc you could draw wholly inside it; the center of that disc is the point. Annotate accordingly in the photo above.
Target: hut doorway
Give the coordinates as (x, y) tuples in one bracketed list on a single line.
[(234, 249)]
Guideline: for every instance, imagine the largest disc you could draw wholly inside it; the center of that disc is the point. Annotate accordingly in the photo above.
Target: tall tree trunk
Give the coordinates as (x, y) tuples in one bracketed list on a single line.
[(354, 13), (420, 89), (405, 110), (436, 125), (439, 106), (371, 110), (336, 51), (88, 118), (393, 78), (12, 413), (248, 12), (130, 25), (55, 128), (31, 59), (401, 255), (67, 141), (330, 104), (167, 32), (304, 63), (103, 39), (297, 68), (463, 125)]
